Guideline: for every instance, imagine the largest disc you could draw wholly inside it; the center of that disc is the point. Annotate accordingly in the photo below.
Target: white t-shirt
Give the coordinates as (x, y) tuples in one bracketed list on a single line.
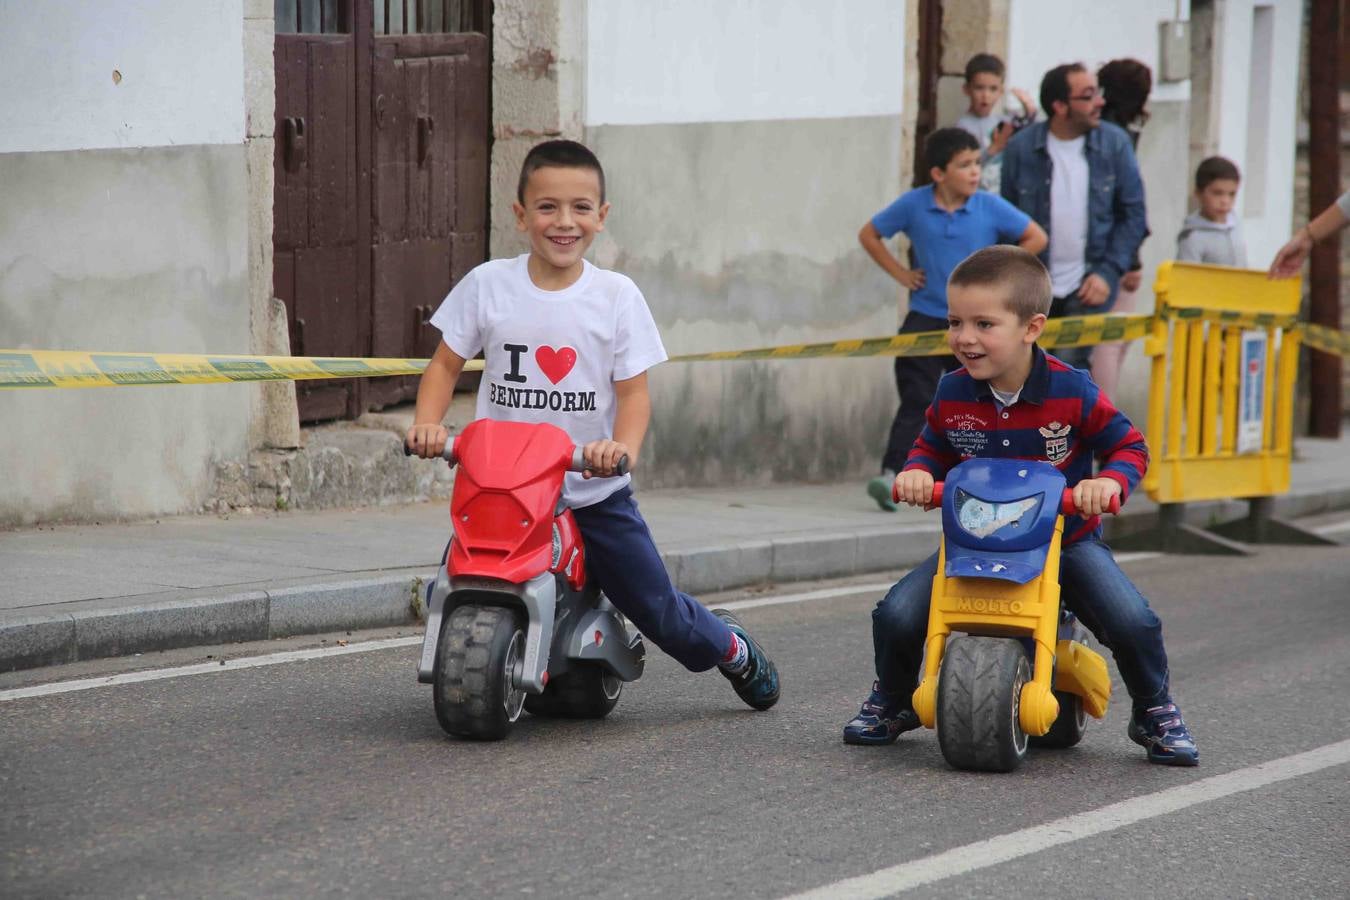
[(1068, 214), (552, 356)]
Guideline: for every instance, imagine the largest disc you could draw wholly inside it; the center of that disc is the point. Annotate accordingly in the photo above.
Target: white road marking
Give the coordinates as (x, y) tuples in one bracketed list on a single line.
[(227, 665), (276, 659), (1333, 528), (1135, 557), (1001, 849), (822, 594)]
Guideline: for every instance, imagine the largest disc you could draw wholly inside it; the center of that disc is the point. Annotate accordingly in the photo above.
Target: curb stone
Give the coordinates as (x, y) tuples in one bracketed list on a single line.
[(37, 641)]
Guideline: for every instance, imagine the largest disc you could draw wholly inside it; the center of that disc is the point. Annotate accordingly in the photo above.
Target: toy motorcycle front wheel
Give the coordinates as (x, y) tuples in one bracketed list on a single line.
[(979, 695), (479, 650)]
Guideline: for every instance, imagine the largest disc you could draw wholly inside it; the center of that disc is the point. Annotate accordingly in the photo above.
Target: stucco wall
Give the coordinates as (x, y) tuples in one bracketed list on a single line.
[(740, 169), (125, 227)]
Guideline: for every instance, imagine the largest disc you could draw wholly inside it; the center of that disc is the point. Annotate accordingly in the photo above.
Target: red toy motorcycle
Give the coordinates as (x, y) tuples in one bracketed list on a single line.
[(511, 622)]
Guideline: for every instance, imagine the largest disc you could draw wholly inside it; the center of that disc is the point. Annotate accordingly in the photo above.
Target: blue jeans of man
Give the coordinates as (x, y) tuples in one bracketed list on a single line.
[(1092, 586), (623, 560)]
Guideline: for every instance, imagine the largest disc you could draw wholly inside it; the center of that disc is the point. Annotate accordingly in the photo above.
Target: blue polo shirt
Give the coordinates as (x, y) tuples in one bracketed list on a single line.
[(942, 239)]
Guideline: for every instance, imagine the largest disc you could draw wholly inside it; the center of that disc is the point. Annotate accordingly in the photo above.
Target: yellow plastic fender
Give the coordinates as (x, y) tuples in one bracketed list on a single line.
[(1082, 671)]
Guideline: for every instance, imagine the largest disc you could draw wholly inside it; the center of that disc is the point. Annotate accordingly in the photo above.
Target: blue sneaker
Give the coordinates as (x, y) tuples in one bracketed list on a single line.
[(758, 684), (882, 719), (1161, 731)]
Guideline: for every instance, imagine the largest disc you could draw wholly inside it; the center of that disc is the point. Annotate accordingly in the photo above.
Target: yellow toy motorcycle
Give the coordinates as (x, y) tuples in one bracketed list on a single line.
[(997, 584)]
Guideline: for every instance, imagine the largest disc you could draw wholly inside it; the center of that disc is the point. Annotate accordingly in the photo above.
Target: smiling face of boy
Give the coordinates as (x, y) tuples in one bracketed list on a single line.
[(561, 215), (988, 338)]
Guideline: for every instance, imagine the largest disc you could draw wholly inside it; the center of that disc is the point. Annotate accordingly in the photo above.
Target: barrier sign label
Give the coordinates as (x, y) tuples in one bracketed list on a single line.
[(1252, 399)]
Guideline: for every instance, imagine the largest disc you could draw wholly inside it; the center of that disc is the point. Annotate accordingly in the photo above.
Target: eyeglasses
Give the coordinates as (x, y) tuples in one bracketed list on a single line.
[(1089, 95)]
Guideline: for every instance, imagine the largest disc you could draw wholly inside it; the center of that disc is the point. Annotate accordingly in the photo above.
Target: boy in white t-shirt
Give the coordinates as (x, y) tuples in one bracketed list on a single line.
[(570, 344)]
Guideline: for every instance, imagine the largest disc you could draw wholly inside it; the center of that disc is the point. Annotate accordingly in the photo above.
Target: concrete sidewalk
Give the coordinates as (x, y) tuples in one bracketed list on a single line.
[(82, 592)]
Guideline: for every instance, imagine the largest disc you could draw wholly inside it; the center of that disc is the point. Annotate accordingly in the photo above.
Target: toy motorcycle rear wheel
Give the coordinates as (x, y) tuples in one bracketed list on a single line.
[(479, 649), (1069, 726), (585, 691), (979, 697)]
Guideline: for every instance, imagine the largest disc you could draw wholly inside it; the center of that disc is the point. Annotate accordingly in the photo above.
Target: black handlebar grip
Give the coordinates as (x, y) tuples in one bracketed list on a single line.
[(621, 467)]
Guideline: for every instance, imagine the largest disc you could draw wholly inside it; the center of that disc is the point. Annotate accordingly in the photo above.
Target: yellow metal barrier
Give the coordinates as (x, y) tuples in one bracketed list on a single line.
[(1224, 350)]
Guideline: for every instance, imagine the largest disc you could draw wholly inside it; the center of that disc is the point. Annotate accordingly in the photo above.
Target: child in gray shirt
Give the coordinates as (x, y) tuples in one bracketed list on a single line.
[(1213, 234)]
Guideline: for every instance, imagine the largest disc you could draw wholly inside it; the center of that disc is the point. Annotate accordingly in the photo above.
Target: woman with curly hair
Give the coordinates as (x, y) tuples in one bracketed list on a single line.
[(1126, 84)]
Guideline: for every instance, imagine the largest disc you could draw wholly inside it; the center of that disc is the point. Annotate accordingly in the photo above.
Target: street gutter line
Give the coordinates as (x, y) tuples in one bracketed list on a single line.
[(1331, 529), (1007, 847), (289, 656)]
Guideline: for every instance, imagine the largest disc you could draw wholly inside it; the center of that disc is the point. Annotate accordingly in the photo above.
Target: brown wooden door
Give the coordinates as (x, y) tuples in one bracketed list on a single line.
[(429, 188), (382, 131), (315, 212)]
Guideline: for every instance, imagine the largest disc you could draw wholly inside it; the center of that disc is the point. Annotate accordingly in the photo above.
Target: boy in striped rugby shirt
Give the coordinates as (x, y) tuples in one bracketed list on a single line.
[(1011, 399)]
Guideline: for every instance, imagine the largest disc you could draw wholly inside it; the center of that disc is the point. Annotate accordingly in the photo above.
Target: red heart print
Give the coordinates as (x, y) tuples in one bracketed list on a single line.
[(555, 364)]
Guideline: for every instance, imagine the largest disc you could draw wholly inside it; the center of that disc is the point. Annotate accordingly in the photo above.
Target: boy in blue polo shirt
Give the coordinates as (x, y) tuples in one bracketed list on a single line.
[(946, 221)]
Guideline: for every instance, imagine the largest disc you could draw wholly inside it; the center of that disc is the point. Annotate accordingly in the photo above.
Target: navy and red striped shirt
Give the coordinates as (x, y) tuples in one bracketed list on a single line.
[(1061, 417)]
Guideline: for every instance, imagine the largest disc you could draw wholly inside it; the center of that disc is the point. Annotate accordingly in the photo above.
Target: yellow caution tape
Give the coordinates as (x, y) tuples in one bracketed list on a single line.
[(1232, 317), (1329, 340), (72, 368), (1073, 331)]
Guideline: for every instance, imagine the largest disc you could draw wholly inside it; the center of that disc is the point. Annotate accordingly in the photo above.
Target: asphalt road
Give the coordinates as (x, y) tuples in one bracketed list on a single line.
[(331, 776)]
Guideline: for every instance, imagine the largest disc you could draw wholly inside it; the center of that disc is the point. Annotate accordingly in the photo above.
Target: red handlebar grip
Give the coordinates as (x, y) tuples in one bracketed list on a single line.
[(1069, 508), (932, 504)]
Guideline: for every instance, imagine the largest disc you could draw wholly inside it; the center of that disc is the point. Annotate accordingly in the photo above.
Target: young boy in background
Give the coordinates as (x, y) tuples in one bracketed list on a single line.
[(946, 221), (551, 318), (1213, 233), (985, 118), (1013, 400)]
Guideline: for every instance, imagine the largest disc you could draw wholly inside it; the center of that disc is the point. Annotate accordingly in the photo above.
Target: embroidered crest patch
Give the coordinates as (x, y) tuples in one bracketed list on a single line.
[(1056, 441)]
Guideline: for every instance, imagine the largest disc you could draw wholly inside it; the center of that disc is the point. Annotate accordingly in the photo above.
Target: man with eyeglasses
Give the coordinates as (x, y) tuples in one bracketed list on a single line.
[(1077, 177)]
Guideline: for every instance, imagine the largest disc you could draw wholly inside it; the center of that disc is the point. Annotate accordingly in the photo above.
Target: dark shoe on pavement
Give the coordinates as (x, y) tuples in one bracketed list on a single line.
[(758, 684), (882, 719), (879, 489), (1161, 731)]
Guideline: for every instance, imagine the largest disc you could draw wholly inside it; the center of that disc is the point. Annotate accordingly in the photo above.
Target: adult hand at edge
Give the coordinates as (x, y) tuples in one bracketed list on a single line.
[(1289, 260)]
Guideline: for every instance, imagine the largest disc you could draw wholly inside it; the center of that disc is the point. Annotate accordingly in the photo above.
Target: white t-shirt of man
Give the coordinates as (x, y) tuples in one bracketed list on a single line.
[(1068, 214), (552, 356)]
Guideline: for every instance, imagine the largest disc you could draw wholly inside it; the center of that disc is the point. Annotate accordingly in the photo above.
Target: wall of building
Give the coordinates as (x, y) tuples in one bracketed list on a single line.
[(740, 169), (124, 227), (1043, 34)]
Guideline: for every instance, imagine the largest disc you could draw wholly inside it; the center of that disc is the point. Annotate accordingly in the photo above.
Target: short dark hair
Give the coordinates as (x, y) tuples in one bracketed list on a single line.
[(1127, 84), (943, 144), (564, 154), (986, 63), (1055, 86), (1213, 169), (1010, 267)]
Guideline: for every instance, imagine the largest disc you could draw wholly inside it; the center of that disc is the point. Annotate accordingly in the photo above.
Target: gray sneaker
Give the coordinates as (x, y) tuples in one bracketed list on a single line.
[(879, 489)]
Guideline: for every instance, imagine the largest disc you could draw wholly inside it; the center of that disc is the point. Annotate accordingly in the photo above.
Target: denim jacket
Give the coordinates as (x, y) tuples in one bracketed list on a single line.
[(1116, 225)]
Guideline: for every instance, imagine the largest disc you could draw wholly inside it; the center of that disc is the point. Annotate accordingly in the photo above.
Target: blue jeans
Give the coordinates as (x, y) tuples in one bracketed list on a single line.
[(622, 559), (1092, 586)]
